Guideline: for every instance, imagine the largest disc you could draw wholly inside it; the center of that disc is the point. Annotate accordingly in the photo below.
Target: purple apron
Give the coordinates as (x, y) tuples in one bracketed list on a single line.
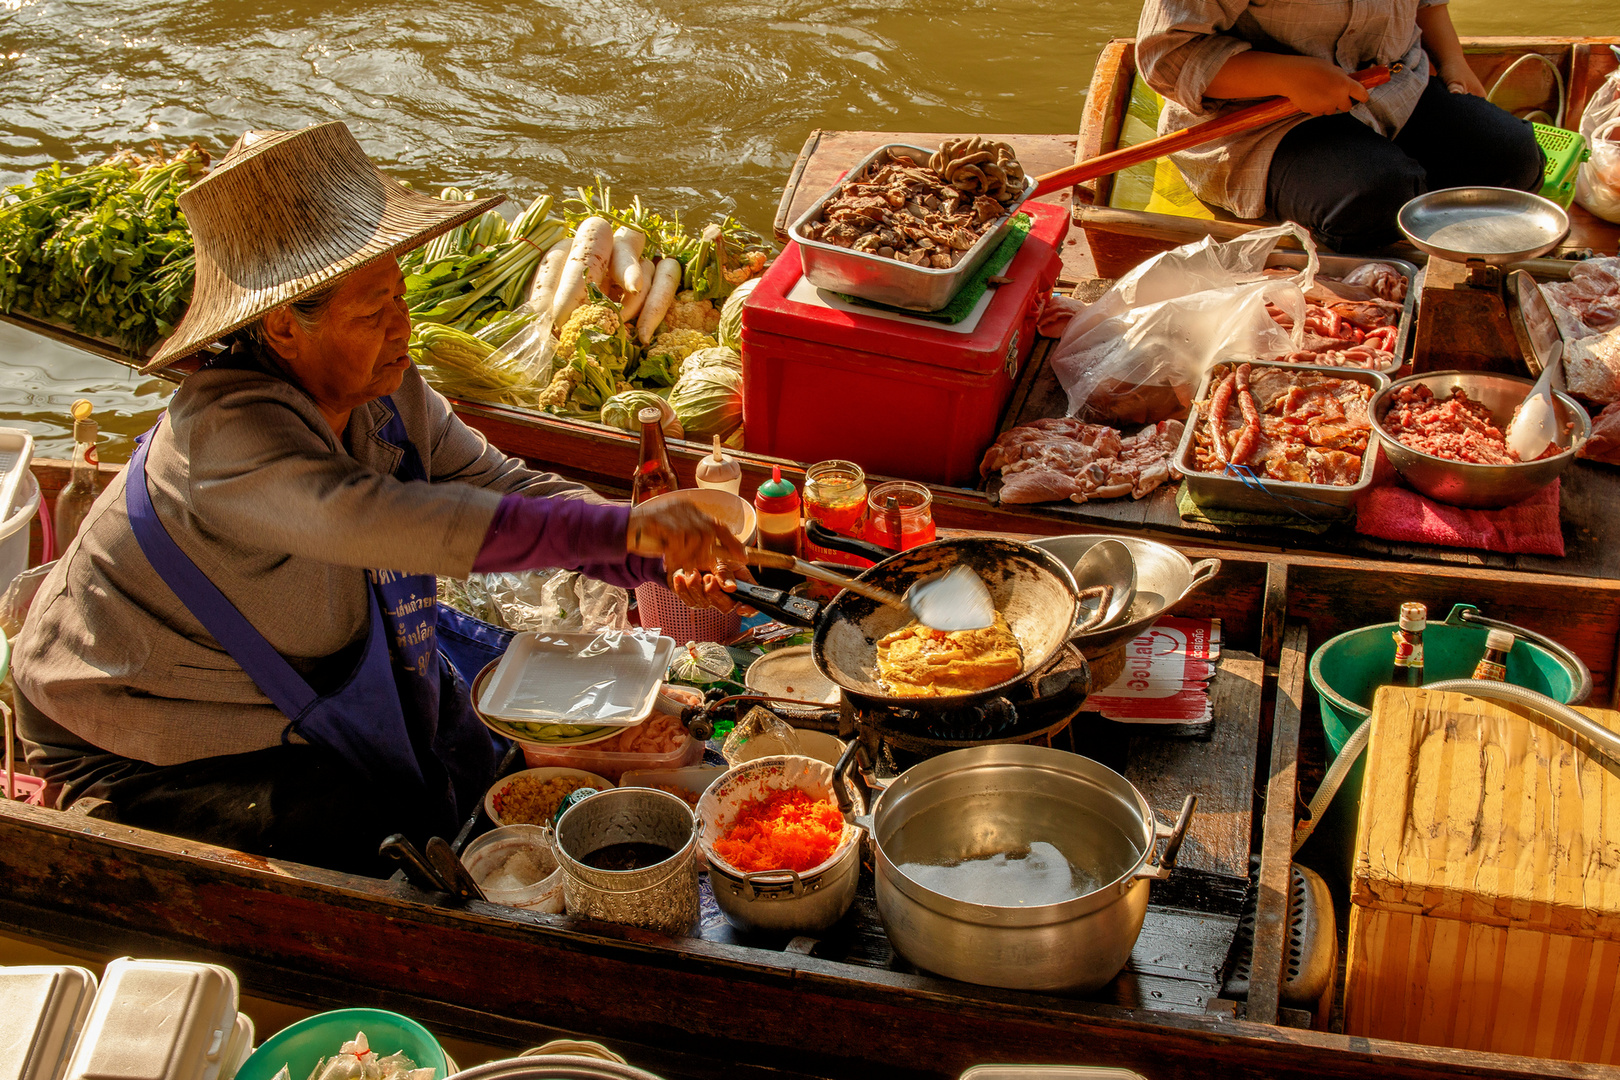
[(404, 717)]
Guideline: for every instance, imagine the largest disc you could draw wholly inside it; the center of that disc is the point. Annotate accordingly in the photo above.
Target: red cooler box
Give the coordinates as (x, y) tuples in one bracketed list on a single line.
[(899, 396)]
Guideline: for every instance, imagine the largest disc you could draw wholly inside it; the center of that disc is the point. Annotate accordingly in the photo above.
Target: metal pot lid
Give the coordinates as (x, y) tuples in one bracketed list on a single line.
[(1498, 225), (791, 673)]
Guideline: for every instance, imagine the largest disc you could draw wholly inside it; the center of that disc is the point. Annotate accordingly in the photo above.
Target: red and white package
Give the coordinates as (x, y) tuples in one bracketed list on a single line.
[(1166, 676)]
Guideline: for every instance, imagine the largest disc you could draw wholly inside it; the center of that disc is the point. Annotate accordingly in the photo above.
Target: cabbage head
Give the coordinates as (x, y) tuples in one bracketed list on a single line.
[(730, 331), (718, 356), (621, 410), (708, 400)]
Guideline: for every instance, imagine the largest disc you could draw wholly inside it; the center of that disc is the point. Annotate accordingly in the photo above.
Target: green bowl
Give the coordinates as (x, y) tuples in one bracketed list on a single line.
[(301, 1046)]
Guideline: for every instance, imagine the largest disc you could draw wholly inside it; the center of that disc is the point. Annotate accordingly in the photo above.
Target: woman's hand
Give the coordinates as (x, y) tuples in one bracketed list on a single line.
[(686, 537), (705, 589), (1460, 79), (1312, 84)]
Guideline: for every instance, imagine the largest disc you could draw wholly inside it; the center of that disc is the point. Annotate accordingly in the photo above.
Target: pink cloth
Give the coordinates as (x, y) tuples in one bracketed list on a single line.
[(1394, 512)]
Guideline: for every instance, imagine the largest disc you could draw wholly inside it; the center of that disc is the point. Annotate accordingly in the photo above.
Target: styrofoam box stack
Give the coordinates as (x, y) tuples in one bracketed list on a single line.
[(161, 1020), (41, 1011)]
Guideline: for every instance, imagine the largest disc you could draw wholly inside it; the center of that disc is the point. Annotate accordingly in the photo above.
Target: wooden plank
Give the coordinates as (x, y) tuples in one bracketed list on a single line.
[(1277, 839), (1220, 771), (1274, 611)]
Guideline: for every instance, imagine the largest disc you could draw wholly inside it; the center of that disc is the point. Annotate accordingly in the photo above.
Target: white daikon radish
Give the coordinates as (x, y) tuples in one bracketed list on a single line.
[(633, 300), (627, 245), (666, 283), (544, 289), (588, 261)]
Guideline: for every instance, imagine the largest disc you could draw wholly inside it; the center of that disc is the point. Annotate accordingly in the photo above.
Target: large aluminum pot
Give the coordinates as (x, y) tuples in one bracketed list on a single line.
[(965, 807)]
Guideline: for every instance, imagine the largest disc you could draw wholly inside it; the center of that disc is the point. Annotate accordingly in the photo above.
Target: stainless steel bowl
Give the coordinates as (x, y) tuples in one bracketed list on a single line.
[(1484, 487), (890, 281), (1164, 577), (1498, 225)]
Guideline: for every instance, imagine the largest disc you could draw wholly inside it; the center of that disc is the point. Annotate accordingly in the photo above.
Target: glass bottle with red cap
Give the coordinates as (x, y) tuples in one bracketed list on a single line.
[(777, 505)]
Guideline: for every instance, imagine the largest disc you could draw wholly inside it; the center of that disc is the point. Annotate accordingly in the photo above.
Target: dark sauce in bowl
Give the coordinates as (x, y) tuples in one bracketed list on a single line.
[(632, 856)]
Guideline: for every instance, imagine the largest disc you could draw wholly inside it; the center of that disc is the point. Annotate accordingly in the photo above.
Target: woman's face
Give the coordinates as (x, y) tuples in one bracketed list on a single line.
[(357, 349)]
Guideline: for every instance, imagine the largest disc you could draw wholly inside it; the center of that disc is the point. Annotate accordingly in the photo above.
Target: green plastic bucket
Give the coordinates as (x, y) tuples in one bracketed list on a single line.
[(1349, 669), (302, 1045)]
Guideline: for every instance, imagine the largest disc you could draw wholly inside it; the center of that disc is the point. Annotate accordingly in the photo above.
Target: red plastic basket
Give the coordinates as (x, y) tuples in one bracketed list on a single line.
[(662, 610)]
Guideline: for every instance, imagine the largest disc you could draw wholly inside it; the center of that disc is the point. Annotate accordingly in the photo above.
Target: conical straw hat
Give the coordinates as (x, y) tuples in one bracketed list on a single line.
[(285, 212)]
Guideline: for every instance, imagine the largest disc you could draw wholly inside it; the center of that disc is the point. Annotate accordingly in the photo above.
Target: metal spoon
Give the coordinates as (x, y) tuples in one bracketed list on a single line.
[(1534, 426), (1107, 563)]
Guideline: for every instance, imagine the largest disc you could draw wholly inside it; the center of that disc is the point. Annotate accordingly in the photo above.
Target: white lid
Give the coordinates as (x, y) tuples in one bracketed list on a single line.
[(157, 1020), (239, 1048), (1500, 639), (609, 679), (41, 1011)]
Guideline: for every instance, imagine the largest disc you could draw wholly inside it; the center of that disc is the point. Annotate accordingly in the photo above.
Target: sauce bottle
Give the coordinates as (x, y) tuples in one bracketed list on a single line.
[(74, 500), (1409, 646), (654, 475), (777, 504), (720, 471), (1493, 665)]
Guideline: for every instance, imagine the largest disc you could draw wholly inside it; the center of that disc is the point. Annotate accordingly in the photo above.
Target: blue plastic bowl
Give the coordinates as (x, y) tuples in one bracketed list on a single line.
[(301, 1046)]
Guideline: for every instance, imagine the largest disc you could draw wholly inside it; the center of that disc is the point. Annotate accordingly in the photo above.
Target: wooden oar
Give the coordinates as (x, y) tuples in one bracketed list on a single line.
[(1257, 115)]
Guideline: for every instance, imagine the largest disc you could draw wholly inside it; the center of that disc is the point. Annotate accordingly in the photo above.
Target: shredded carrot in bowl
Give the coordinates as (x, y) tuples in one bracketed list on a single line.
[(787, 831)]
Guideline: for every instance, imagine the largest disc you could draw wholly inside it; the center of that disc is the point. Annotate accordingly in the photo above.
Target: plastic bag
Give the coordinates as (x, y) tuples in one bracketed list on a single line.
[(760, 725), (1597, 183), (19, 596), (547, 601), (1137, 354)]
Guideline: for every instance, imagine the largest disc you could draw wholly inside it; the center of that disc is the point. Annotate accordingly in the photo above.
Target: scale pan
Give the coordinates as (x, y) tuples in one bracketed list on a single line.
[(1497, 225)]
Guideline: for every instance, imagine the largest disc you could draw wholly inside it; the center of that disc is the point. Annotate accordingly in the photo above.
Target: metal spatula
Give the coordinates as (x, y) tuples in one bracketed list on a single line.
[(954, 600)]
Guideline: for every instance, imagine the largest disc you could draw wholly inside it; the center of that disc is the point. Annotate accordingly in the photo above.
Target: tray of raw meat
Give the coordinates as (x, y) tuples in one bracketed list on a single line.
[(1280, 438), (1358, 312)]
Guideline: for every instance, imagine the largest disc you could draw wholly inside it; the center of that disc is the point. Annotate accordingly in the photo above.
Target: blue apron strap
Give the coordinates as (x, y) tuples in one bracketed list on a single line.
[(275, 677)]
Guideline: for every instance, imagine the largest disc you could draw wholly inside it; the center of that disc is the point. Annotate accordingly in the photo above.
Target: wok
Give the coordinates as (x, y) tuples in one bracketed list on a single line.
[(1164, 577), (1031, 589)]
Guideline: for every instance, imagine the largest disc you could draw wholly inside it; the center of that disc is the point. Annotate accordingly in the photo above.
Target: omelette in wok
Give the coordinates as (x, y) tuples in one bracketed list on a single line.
[(919, 661)]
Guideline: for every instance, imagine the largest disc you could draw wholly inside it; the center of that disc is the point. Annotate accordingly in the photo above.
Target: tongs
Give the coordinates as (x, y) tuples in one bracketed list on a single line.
[(954, 600)]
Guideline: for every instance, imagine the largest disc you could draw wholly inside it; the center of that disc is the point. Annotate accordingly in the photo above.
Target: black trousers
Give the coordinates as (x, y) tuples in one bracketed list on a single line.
[(295, 802), (1346, 182)]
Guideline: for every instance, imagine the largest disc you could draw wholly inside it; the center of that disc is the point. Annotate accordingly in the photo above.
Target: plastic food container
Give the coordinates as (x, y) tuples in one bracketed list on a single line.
[(693, 781), (158, 1020), (606, 679), (484, 857), (1265, 496), (42, 1009), (607, 763), (301, 1046)]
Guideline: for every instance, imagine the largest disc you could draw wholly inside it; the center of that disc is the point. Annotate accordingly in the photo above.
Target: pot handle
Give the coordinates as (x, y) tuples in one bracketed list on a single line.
[(1467, 613), (1105, 595), (1202, 571), (763, 877), (778, 603), (843, 774), (1173, 835), (821, 536)]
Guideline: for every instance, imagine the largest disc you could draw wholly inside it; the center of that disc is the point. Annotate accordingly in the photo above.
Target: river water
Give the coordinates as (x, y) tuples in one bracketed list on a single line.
[(699, 108)]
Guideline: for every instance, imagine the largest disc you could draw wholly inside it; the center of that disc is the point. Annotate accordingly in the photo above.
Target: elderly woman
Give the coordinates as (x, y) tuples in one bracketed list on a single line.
[(242, 645)]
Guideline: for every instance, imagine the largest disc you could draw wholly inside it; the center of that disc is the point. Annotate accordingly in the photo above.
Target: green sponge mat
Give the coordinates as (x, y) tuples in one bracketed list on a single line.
[(1190, 510), (967, 297)]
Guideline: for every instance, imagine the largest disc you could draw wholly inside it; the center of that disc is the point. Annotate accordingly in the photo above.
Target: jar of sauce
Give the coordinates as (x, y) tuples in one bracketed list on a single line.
[(834, 495), (777, 505), (899, 515)]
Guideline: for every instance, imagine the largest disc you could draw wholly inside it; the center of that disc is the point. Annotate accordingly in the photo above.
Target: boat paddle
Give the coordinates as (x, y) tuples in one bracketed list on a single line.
[(1245, 119)]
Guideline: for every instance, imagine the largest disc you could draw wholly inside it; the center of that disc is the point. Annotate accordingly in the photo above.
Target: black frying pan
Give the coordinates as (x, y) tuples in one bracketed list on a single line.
[(1032, 590)]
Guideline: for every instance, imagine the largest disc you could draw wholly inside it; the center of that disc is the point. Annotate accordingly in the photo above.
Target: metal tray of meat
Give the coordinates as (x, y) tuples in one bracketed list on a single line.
[(890, 281), (1262, 496), (1337, 266)]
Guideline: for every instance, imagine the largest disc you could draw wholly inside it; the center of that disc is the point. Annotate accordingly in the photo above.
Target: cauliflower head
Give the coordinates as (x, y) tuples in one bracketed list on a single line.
[(679, 344), (690, 313), (592, 316), (555, 395)]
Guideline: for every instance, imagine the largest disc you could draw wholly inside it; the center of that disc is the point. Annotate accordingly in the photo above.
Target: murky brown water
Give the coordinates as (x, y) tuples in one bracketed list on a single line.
[(698, 108)]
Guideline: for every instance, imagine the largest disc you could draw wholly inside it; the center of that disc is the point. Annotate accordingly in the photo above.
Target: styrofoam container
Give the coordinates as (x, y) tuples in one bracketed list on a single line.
[(240, 1046), (158, 1020), (609, 679), (42, 1009)]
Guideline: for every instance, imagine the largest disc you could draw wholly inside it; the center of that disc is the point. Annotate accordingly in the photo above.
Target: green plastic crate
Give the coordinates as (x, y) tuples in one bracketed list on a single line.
[(1565, 151)]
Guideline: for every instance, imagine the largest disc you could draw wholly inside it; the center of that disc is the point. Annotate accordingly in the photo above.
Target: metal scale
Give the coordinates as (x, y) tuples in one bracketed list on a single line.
[(1467, 319)]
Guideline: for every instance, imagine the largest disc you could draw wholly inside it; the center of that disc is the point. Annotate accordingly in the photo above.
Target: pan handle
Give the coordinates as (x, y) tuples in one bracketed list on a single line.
[(764, 878), (822, 536), (843, 777), (1202, 571), (1173, 837), (793, 610)]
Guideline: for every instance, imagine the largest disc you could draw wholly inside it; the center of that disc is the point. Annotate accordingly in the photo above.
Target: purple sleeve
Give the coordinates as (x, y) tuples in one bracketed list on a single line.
[(533, 533)]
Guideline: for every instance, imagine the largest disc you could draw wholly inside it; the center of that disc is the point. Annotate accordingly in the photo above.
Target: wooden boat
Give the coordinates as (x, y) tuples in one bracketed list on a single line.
[(845, 1007), (1124, 227)]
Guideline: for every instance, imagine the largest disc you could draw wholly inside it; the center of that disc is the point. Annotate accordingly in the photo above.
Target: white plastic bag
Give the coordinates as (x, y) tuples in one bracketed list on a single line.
[(1597, 183), (1137, 354)]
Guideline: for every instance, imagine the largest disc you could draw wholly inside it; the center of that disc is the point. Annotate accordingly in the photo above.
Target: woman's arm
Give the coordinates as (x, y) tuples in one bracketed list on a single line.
[(1440, 42), (1313, 85)]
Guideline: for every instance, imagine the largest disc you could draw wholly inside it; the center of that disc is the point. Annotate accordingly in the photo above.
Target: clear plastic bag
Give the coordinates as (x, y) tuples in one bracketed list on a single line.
[(547, 601), (1597, 183), (1137, 354)]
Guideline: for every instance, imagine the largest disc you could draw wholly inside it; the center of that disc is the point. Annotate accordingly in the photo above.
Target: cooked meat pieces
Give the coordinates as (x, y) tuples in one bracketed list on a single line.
[(1064, 458), (1313, 429), (900, 209), (1456, 427), (1348, 323)]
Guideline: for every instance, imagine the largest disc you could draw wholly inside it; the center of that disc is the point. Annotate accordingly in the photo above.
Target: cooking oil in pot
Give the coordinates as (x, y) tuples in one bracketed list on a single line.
[(1038, 875)]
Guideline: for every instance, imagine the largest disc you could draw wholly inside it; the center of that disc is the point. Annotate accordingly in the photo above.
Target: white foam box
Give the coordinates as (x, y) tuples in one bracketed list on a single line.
[(158, 1020), (42, 1009)]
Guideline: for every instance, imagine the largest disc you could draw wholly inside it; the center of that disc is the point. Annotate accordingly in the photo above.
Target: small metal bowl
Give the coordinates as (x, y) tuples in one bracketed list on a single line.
[(1482, 487), (1497, 225)]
